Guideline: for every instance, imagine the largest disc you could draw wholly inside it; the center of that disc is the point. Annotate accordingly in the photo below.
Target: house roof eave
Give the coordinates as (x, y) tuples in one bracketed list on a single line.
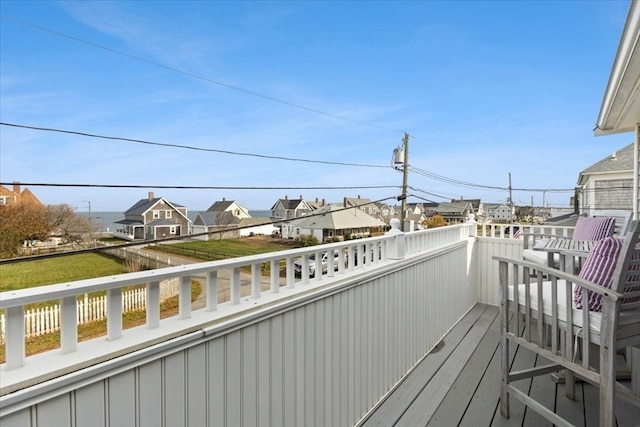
[(620, 110)]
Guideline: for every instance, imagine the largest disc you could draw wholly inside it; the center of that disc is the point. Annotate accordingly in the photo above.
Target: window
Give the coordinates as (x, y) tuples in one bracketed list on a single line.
[(156, 214), (172, 229), (3, 200), (167, 214)]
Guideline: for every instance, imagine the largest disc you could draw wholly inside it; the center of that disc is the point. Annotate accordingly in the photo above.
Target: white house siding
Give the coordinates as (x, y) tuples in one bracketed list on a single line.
[(265, 229)]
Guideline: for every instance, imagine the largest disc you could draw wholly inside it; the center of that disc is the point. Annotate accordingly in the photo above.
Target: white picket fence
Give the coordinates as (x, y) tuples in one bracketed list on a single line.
[(44, 320)]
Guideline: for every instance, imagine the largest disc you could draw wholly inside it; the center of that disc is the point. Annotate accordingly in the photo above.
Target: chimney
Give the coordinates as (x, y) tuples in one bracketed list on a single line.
[(324, 202), (301, 197), (224, 199), (151, 195), (317, 200), (344, 204), (16, 187), (286, 197)]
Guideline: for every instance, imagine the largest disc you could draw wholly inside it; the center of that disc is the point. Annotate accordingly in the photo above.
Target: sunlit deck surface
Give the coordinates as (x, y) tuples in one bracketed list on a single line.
[(458, 384)]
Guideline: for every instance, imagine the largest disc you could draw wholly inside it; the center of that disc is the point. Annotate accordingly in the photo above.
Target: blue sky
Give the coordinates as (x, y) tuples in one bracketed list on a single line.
[(484, 89)]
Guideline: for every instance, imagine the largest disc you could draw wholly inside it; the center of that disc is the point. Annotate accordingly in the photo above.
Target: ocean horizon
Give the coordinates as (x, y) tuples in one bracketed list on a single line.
[(104, 221)]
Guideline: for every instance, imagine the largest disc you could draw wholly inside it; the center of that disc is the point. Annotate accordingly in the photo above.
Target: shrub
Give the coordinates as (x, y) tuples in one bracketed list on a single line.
[(308, 240)]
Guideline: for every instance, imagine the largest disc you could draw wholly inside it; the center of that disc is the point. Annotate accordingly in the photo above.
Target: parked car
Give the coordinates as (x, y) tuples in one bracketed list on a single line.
[(297, 265), (367, 258)]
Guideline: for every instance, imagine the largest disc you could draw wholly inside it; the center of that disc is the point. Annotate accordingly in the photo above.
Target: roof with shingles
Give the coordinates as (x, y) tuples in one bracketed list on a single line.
[(220, 206), (210, 218), (453, 208), (290, 204), (143, 205), (24, 196), (357, 201), (621, 160), (335, 217)]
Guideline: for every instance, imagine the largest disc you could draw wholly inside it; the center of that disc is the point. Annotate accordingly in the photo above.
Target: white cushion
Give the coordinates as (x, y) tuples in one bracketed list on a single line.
[(595, 318), (539, 257)]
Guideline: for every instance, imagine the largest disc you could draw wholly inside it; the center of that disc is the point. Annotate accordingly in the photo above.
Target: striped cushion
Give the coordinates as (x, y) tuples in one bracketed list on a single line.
[(598, 268), (596, 228)]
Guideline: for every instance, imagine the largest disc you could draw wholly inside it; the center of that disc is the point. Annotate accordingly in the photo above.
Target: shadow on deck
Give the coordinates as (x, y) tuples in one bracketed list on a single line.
[(458, 384)]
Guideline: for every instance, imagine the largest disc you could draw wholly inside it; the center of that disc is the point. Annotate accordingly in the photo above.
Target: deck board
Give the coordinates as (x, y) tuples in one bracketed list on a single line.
[(464, 389), (459, 384), (430, 397), (396, 404)]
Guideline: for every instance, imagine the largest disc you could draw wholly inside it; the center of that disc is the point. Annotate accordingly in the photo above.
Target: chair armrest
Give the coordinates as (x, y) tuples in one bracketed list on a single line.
[(554, 272)]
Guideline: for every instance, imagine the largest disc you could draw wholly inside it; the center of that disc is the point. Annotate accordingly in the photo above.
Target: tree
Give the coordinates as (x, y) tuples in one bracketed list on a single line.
[(435, 221), (66, 223), (27, 222), (20, 223), (225, 221), (524, 213)]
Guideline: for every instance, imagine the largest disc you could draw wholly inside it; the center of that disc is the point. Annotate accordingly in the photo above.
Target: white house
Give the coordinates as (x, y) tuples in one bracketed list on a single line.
[(333, 222)]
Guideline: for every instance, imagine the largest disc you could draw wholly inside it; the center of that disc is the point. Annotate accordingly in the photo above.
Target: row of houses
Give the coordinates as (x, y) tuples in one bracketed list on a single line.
[(355, 217), (606, 184)]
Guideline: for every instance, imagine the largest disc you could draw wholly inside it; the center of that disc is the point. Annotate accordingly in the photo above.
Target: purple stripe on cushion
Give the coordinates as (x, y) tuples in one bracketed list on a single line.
[(598, 268), (596, 228)]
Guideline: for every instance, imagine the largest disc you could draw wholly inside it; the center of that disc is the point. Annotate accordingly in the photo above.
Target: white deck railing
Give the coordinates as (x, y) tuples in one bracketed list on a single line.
[(307, 350)]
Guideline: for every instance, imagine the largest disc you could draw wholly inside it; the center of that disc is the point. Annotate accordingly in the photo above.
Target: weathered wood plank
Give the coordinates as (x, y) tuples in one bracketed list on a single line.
[(390, 411), (465, 388), (459, 384), (426, 403), (523, 359)]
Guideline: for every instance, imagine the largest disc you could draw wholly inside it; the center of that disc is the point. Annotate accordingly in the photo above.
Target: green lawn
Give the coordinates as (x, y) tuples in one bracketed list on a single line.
[(28, 274), (227, 248)]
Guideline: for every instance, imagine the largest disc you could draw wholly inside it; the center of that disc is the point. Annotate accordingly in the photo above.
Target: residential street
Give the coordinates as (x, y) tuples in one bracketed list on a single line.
[(223, 277)]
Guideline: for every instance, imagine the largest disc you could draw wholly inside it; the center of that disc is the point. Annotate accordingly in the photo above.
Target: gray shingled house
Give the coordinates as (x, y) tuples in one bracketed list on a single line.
[(153, 218), (607, 184)]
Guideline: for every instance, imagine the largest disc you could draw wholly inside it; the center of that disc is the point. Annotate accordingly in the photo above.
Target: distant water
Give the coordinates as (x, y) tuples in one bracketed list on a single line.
[(104, 221)]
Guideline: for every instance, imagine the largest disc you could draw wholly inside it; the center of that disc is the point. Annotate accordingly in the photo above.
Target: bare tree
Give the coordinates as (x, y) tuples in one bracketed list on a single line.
[(224, 221)]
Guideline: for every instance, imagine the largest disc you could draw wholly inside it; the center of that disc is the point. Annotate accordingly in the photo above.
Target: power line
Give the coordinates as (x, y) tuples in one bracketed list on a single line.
[(189, 74), (452, 181), (174, 238), (188, 187), (187, 147)]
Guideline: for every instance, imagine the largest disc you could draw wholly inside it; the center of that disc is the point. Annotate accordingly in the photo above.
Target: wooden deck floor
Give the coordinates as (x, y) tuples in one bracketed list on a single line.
[(458, 384)]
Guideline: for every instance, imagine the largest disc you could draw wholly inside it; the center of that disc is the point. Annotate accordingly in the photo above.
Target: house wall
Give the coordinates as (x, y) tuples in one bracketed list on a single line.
[(610, 194)]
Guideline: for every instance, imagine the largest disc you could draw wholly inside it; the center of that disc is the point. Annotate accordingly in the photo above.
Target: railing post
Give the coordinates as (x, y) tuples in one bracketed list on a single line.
[(396, 245), (153, 304), (212, 290), (290, 273), (235, 286), (184, 298), (68, 324), (15, 337), (114, 314), (275, 276), (255, 280)]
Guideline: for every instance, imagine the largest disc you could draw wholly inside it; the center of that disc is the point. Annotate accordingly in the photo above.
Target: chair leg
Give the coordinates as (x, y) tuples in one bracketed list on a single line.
[(607, 382), (633, 364), (504, 358)]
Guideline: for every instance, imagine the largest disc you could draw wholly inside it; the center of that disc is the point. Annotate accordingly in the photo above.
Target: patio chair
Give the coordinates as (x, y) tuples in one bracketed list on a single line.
[(600, 224), (562, 317)]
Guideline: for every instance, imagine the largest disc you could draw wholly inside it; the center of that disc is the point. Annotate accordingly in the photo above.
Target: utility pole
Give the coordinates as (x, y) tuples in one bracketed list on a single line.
[(510, 199), (90, 225), (405, 168)]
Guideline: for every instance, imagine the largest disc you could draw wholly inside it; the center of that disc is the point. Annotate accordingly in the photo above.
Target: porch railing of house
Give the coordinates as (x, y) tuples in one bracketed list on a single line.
[(308, 351)]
